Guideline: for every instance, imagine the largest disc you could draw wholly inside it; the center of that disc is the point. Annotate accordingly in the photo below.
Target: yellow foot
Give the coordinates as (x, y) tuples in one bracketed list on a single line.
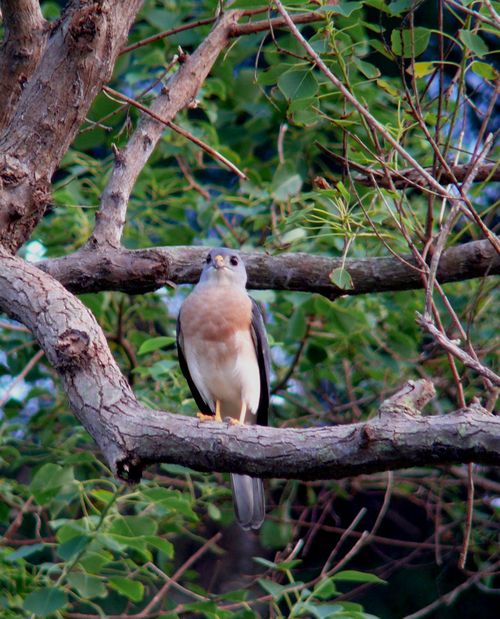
[(232, 421), (203, 417), (215, 417)]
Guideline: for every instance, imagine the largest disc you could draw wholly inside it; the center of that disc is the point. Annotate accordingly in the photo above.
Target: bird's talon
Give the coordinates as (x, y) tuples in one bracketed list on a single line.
[(231, 421), (203, 417)]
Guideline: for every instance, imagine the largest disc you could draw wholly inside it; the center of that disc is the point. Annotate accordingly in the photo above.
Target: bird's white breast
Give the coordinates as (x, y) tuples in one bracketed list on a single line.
[(219, 350)]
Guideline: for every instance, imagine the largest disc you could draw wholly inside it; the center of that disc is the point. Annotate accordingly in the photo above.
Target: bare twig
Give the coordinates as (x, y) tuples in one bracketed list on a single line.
[(451, 596), (21, 376), (179, 92), (456, 351), (192, 138), (468, 516), (275, 23), (168, 33), (495, 22), (178, 573)]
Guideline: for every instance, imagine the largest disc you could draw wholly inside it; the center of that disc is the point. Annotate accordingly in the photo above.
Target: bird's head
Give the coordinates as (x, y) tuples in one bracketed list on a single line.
[(224, 266)]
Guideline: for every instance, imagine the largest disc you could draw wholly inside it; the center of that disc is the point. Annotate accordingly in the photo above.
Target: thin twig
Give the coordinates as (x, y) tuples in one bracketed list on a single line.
[(13, 327), (178, 573), (275, 23), (456, 351), (343, 537), (447, 227), (168, 123), (468, 518), (451, 596), (31, 363), (495, 22), (168, 33)]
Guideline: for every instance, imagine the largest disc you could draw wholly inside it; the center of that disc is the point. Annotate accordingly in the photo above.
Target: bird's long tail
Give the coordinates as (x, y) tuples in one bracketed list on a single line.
[(249, 501)]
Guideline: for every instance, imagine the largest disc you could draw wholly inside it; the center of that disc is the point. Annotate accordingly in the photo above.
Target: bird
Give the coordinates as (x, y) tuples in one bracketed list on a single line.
[(224, 355)]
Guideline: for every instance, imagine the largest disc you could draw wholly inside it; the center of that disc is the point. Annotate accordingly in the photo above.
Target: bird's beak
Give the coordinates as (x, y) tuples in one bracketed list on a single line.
[(219, 262)]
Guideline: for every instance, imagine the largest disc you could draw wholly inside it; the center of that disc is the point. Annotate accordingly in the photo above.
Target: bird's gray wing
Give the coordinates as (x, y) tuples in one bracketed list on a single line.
[(202, 405), (259, 338)]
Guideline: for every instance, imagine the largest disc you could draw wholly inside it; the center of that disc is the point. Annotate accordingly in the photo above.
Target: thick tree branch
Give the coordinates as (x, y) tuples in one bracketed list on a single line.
[(25, 37), (132, 436), (145, 270), (180, 91), (78, 58)]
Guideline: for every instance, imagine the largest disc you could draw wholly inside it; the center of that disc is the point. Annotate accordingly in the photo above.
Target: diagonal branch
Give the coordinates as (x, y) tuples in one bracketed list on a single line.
[(132, 436), (144, 270), (456, 351), (179, 92), (168, 123)]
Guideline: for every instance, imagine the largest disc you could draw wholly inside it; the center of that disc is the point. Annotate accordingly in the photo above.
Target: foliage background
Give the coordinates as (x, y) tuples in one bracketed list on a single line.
[(77, 543)]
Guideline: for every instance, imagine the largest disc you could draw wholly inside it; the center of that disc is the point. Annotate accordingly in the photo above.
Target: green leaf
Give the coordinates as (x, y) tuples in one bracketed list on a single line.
[(274, 588), (319, 611), (87, 586), (93, 561), (388, 87), (483, 69), (72, 547), (473, 42), (421, 69), (132, 589), (161, 544), (286, 183), (155, 343), (298, 84), (355, 576), (24, 551), (342, 8), (368, 69), (48, 480), (213, 511), (301, 112), (292, 236), (325, 589), (341, 278), (410, 43), (133, 526), (46, 601)]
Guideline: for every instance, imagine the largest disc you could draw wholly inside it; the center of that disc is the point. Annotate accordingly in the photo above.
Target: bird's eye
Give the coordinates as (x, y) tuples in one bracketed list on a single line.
[(208, 259), (233, 260)]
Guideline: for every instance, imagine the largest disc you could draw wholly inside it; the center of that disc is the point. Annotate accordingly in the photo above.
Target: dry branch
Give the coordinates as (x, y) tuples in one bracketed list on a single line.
[(144, 270), (78, 58), (456, 351), (179, 92), (132, 436)]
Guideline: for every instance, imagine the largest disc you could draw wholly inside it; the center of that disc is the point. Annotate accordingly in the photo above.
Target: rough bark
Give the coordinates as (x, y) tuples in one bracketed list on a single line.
[(25, 36), (78, 58), (145, 270), (132, 436)]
